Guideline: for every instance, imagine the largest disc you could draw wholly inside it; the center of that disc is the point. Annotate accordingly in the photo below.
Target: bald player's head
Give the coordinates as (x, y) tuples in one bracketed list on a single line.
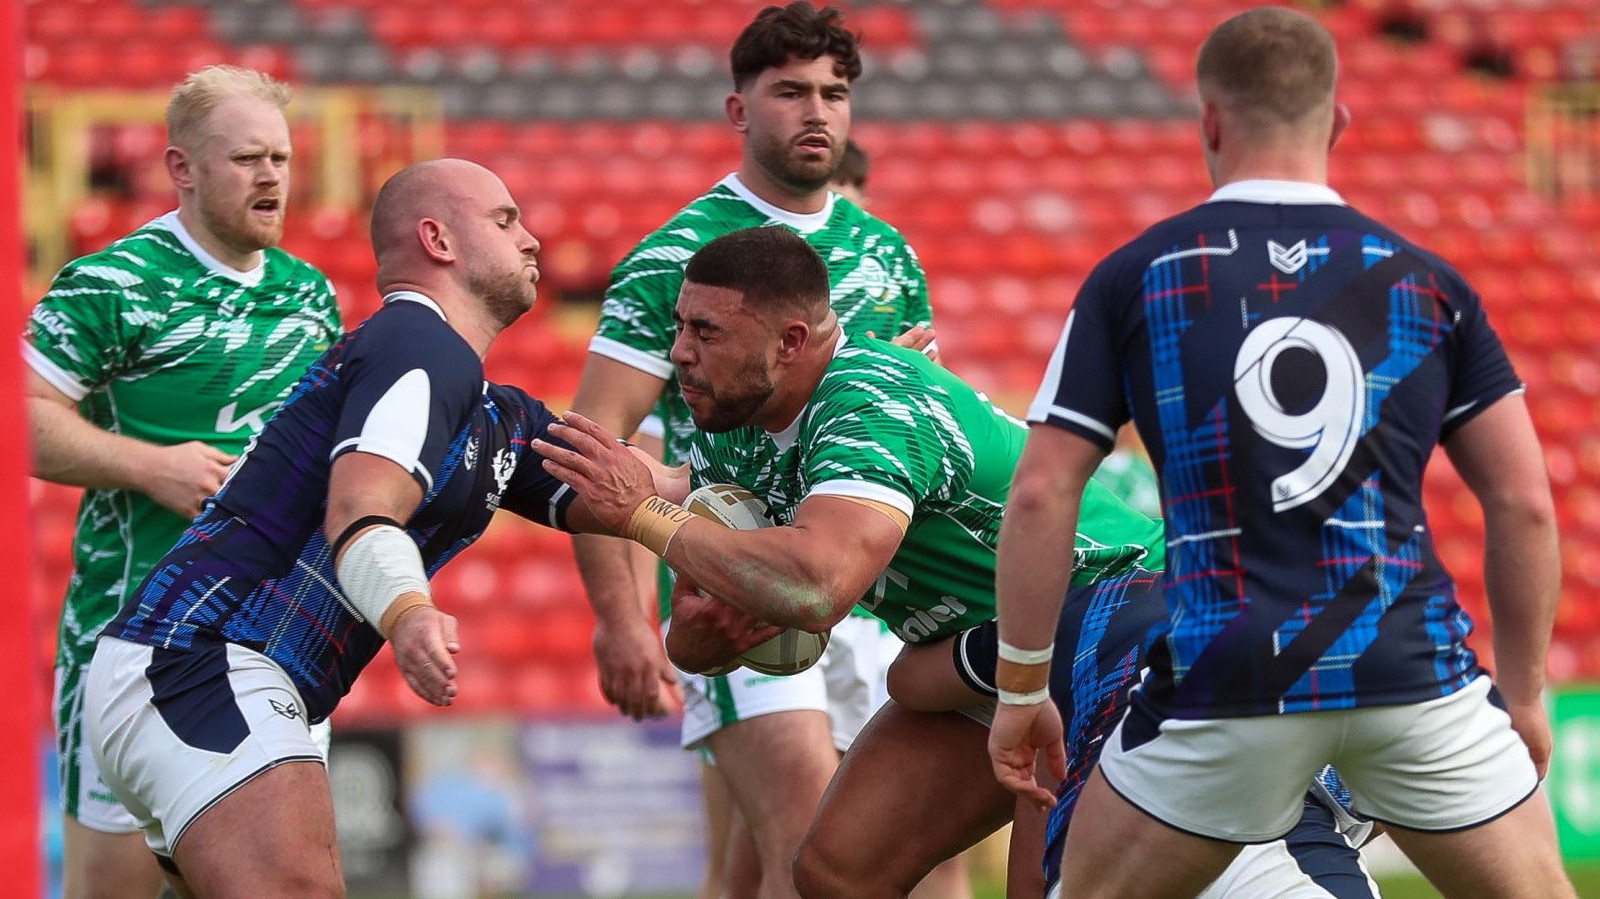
[(429, 189), (451, 225)]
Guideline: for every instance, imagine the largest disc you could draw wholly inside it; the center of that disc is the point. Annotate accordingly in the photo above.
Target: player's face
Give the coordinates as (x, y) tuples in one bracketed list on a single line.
[(500, 256), (797, 117), (240, 167), (724, 355)]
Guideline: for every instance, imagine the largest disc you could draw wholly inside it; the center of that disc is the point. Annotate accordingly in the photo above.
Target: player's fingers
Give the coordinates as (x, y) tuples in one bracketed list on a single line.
[(448, 629), (592, 429), (1055, 757), (560, 455)]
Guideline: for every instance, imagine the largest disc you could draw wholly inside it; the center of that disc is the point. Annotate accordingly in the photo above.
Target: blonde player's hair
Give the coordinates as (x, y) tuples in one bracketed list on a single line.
[(198, 95)]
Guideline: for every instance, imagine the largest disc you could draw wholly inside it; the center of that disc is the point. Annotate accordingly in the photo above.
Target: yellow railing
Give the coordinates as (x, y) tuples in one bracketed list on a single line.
[(1564, 141), (347, 141)]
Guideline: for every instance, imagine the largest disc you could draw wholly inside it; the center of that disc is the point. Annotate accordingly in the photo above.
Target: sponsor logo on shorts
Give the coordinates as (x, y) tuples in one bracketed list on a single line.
[(286, 709)]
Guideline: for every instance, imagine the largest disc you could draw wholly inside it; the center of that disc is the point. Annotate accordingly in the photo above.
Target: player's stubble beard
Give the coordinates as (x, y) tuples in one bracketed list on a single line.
[(506, 296), (734, 406), (232, 222), (776, 157)]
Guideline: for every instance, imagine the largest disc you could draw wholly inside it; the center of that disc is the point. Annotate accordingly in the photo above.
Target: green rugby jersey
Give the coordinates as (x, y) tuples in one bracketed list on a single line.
[(157, 340), (877, 283), (888, 425)]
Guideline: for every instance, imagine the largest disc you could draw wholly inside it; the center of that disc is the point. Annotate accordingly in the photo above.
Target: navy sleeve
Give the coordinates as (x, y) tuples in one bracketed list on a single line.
[(1083, 389), (410, 384), (534, 493), (1482, 372)]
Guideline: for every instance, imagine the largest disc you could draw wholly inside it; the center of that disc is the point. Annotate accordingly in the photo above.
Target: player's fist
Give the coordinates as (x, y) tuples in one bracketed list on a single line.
[(183, 476)]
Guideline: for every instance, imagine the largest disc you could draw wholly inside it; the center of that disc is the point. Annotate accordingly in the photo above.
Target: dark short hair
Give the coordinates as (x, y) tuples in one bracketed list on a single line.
[(773, 267), (854, 165), (1271, 65), (796, 31)]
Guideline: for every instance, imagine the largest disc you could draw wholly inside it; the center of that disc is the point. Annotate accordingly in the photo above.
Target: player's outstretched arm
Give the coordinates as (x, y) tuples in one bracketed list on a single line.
[(806, 575), (70, 450), (1499, 458), (619, 576)]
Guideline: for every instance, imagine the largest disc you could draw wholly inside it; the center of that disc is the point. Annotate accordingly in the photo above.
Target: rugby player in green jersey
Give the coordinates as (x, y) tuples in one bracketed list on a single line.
[(888, 476), (153, 363), (793, 68)]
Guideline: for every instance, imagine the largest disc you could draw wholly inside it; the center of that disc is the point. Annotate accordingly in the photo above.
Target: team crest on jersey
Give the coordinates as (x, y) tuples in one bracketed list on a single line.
[(505, 462), (1288, 260), (874, 277)]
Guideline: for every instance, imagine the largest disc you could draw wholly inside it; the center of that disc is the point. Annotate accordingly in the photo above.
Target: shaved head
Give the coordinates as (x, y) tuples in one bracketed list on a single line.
[(431, 189), (450, 227)]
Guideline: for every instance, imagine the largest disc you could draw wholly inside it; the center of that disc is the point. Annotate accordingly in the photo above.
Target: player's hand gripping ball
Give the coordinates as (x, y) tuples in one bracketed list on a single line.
[(794, 650)]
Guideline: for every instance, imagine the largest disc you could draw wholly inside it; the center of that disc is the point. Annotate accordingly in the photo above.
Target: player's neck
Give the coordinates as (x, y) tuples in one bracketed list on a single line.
[(465, 316), (780, 195), (242, 261), (1272, 164), (799, 383)]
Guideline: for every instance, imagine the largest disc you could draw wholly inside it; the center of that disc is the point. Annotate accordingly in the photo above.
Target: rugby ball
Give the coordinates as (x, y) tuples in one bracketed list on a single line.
[(794, 650)]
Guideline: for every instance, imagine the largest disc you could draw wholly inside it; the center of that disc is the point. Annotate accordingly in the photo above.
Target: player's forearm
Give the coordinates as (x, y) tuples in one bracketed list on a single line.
[(1034, 561), (782, 575), (1522, 575), (617, 577), (69, 450)]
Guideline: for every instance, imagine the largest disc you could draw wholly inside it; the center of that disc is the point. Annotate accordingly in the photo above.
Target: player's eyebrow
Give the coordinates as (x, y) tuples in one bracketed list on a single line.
[(699, 324), (511, 213)]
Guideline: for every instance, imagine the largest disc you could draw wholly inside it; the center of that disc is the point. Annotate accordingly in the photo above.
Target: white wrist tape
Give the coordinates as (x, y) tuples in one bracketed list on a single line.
[(377, 568), (1025, 656), (1038, 696)]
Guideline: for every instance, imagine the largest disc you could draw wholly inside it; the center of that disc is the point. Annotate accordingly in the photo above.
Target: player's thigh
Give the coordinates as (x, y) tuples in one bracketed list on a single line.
[(855, 669), (711, 704), (914, 790), (1515, 856), (271, 837), (1443, 765), (777, 766), (178, 731), (1314, 861), (1114, 850), (99, 865)]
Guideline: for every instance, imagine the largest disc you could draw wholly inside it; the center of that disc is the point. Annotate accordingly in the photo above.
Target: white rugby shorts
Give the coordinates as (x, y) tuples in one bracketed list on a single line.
[(849, 683), (1446, 764), (177, 731)]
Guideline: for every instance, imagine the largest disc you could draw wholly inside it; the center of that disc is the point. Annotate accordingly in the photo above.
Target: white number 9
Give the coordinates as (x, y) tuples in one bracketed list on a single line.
[(1330, 428)]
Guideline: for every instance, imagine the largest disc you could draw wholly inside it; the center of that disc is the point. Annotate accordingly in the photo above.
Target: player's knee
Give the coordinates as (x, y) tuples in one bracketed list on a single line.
[(825, 869)]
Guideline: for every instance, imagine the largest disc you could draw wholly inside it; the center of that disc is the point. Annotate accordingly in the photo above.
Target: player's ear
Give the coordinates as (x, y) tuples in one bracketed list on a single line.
[(735, 108), (436, 240), (179, 168), (1341, 121), (1210, 126), (792, 338)]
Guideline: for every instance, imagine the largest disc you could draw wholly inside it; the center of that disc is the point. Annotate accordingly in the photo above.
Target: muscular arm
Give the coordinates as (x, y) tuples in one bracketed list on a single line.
[(807, 575), (69, 450), (619, 576), (1499, 458), (423, 639), (1033, 568)]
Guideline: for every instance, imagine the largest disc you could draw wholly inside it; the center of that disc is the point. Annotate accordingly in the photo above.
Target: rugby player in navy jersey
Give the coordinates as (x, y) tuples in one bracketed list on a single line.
[(1291, 364), (390, 457)]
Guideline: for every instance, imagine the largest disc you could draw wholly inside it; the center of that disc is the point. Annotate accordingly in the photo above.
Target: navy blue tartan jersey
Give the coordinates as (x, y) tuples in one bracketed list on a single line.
[(256, 568), (1291, 365)]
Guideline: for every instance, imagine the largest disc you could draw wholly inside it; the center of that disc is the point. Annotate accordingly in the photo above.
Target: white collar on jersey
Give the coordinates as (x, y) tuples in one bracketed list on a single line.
[(1264, 190), (785, 438), (249, 278), (411, 296), (804, 223)]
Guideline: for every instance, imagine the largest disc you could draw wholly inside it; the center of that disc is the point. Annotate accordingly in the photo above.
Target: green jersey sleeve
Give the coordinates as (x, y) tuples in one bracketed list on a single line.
[(636, 324), (85, 330)]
